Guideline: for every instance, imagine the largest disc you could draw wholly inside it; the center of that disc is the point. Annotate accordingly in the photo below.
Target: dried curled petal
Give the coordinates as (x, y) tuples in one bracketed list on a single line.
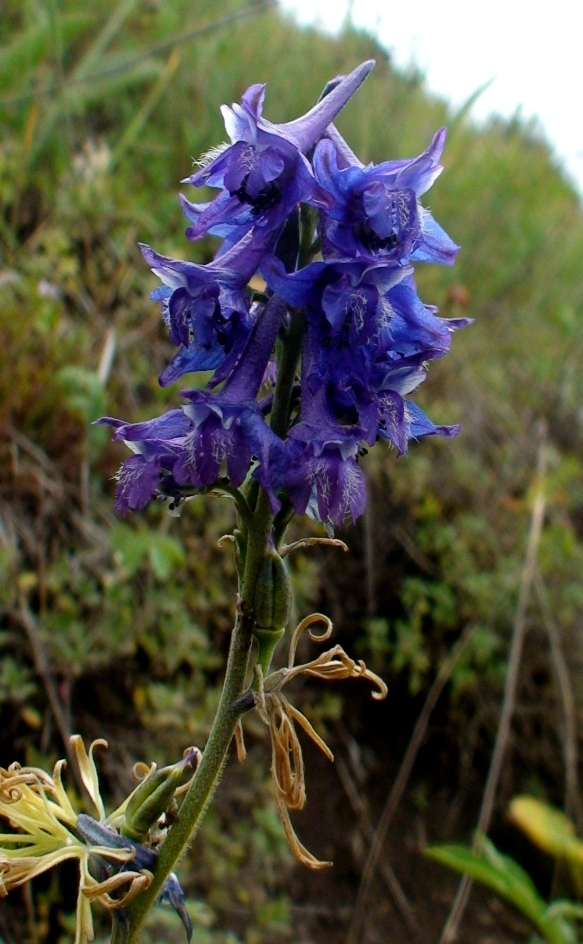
[(44, 830), (102, 891), (301, 628), (331, 665), (279, 715), (240, 743), (287, 763), (88, 770)]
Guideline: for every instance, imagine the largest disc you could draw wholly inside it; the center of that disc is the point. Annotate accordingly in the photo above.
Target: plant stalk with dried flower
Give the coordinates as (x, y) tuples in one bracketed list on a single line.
[(307, 373), (274, 709)]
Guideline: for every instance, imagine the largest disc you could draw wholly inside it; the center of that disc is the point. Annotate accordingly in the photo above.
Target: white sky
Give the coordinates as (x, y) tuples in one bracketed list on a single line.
[(532, 51)]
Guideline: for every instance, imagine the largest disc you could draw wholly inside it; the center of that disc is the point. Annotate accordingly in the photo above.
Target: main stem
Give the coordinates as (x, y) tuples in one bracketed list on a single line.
[(213, 759)]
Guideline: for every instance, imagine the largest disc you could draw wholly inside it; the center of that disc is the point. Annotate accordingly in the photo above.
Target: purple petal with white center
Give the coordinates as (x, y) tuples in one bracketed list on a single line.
[(234, 269), (241, 120), (261, 189), (333, 488), (421, 172), (207, 308), (409, 326), (211, 448), (191, 359), (230, 232), (171, 425), (391, 420)]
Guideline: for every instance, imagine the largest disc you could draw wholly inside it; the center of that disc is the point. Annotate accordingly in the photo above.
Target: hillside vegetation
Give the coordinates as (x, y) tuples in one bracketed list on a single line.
[(123, 625)]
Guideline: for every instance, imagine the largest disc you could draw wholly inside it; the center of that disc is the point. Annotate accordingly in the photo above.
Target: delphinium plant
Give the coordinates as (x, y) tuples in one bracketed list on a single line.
[(311, 366)]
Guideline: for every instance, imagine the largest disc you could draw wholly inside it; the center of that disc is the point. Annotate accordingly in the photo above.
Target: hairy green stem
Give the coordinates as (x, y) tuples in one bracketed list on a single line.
[(213, 759)]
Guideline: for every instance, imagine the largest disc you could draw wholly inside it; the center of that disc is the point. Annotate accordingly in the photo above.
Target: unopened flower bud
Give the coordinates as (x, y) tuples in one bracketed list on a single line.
[(152, 798), (273, 603)]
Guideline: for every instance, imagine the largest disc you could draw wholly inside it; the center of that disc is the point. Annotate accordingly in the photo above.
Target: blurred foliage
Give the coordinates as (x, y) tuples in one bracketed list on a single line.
[(556, 923), (554, 833), (102, 110)]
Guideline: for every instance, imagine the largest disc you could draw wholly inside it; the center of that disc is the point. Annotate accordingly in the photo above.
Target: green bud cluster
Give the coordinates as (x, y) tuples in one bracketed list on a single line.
[(152, 798)]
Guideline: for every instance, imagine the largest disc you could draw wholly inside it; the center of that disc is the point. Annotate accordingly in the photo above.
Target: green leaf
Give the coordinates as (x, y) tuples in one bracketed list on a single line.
[(130, 546), (133, 546), (496, 873), (509, 881), (86, 397)]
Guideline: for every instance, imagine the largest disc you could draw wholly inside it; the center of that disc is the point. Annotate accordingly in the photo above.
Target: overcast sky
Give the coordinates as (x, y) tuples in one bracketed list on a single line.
[(534, 55)]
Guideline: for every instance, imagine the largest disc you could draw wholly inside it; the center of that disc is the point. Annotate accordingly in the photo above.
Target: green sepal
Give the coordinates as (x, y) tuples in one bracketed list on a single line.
[(273, 593), (272, 607), (267, 640)]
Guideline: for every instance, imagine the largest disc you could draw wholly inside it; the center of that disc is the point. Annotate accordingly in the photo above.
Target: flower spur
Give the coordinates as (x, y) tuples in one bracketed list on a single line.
[(264, 173)]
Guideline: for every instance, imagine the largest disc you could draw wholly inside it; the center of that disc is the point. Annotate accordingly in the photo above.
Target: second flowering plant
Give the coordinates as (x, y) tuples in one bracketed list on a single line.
[(310, 368)]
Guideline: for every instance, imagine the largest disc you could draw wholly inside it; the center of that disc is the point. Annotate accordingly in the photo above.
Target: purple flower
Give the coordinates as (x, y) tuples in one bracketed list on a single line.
[(392, 414), (211, 436), (367, 328), (264, 174), (318, 469), (231, 233), (324, 478), (318, 464), (366, 347), (210, 441), (375, 306), (228, 428), (350, 296), (377, 216), (156, 445), (217, 440), (206, 307)]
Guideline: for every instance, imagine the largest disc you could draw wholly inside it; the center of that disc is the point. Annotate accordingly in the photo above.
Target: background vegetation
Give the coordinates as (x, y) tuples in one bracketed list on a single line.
[(119, 628)]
